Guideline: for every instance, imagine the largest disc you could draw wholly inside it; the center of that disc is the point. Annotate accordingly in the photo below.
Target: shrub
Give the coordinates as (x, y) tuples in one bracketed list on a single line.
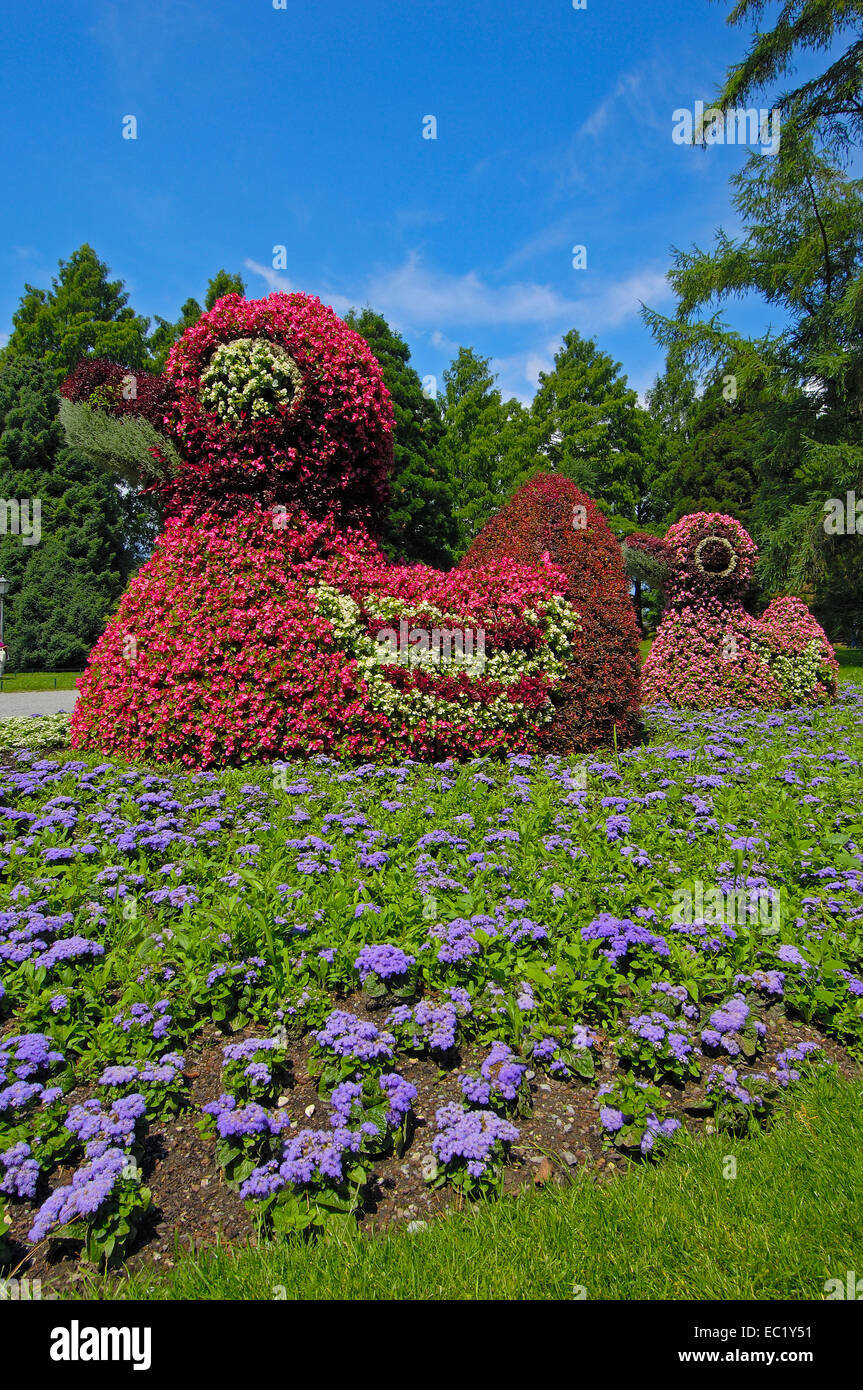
[(268, 621), (550, 516), (118, 390)]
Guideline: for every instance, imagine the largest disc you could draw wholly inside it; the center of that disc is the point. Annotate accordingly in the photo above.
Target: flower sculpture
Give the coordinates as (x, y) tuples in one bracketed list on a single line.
[(598, 700), (708, 650), (268, 622)]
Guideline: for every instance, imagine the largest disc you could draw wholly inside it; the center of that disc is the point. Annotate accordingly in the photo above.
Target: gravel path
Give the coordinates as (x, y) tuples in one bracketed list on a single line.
[(37, 702)]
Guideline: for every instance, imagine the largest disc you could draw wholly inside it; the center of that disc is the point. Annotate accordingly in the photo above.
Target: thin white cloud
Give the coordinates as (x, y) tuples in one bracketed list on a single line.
[(518, 375), (596, 122), (274, 280), (442, 343), (277, 281), (623, 300), (414, 294), (552, 238), (428, 297), (421, 298)]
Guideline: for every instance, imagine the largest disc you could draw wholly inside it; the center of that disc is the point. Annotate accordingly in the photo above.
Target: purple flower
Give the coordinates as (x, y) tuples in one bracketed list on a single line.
[(622, 936), (242, 1051), (616, 826), (102, 1130), (347, 1036), (90, 1188), (500, 1075), (21, 1172), (791, 956), (470, 1137), (400, 1094), (655, 1128), (732, 1017), (785, 1071), (312, 1156), (427, 1025), (242, 1121), (385, 961)]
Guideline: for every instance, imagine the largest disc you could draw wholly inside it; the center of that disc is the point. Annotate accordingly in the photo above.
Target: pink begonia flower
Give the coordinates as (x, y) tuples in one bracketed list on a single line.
[(708, 651)]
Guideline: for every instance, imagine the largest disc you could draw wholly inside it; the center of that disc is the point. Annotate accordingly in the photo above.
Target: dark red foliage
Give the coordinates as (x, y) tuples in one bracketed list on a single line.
[(550, 514), (119, 390)]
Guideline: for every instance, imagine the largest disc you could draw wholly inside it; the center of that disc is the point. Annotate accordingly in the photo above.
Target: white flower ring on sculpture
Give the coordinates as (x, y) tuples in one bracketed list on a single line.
[(729, 548), (250, 378)]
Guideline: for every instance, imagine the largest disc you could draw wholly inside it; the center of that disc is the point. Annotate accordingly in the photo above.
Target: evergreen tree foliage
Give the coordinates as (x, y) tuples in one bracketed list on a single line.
[(831, 101), (64, 586), (166, 333), (485, 442), (591, 428), (421, 524), (83, 312)]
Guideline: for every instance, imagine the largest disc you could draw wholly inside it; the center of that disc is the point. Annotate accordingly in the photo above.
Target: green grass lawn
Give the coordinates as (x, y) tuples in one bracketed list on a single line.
[(791, 1219), (850, 663), (39, 680)]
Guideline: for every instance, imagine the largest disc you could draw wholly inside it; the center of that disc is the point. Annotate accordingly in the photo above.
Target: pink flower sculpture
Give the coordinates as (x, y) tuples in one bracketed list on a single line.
[(268, 622), (708, 650)]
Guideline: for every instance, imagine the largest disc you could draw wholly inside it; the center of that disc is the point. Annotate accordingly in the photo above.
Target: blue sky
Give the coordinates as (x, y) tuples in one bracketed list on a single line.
[(303, 127)]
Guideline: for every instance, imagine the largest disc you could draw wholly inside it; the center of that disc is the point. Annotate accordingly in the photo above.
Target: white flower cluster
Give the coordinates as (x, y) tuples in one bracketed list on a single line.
[(248, 379), (23, 731), (795, 675), (561, 622)]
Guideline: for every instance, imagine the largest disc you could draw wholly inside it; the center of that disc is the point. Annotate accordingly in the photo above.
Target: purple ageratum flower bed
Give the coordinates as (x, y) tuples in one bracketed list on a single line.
[(20, 1172), (733, 1029), (98, 1129), (345, 1035), (314, 1157), (386, 971), (499, 1080), (471, 1139), (427, 1027), (520, 909), (92, 1187), (622, 936)]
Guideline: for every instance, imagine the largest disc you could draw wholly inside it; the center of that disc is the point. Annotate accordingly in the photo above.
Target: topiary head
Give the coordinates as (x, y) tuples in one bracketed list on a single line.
[(280, 399), (705, 554), (275, 400)]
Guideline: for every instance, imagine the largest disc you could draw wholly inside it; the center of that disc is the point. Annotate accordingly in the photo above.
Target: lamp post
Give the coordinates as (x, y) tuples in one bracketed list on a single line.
[(4, 589)]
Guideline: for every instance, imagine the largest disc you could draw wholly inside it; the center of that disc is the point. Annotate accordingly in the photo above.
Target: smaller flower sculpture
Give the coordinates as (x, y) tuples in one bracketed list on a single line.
[(709, 651)]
